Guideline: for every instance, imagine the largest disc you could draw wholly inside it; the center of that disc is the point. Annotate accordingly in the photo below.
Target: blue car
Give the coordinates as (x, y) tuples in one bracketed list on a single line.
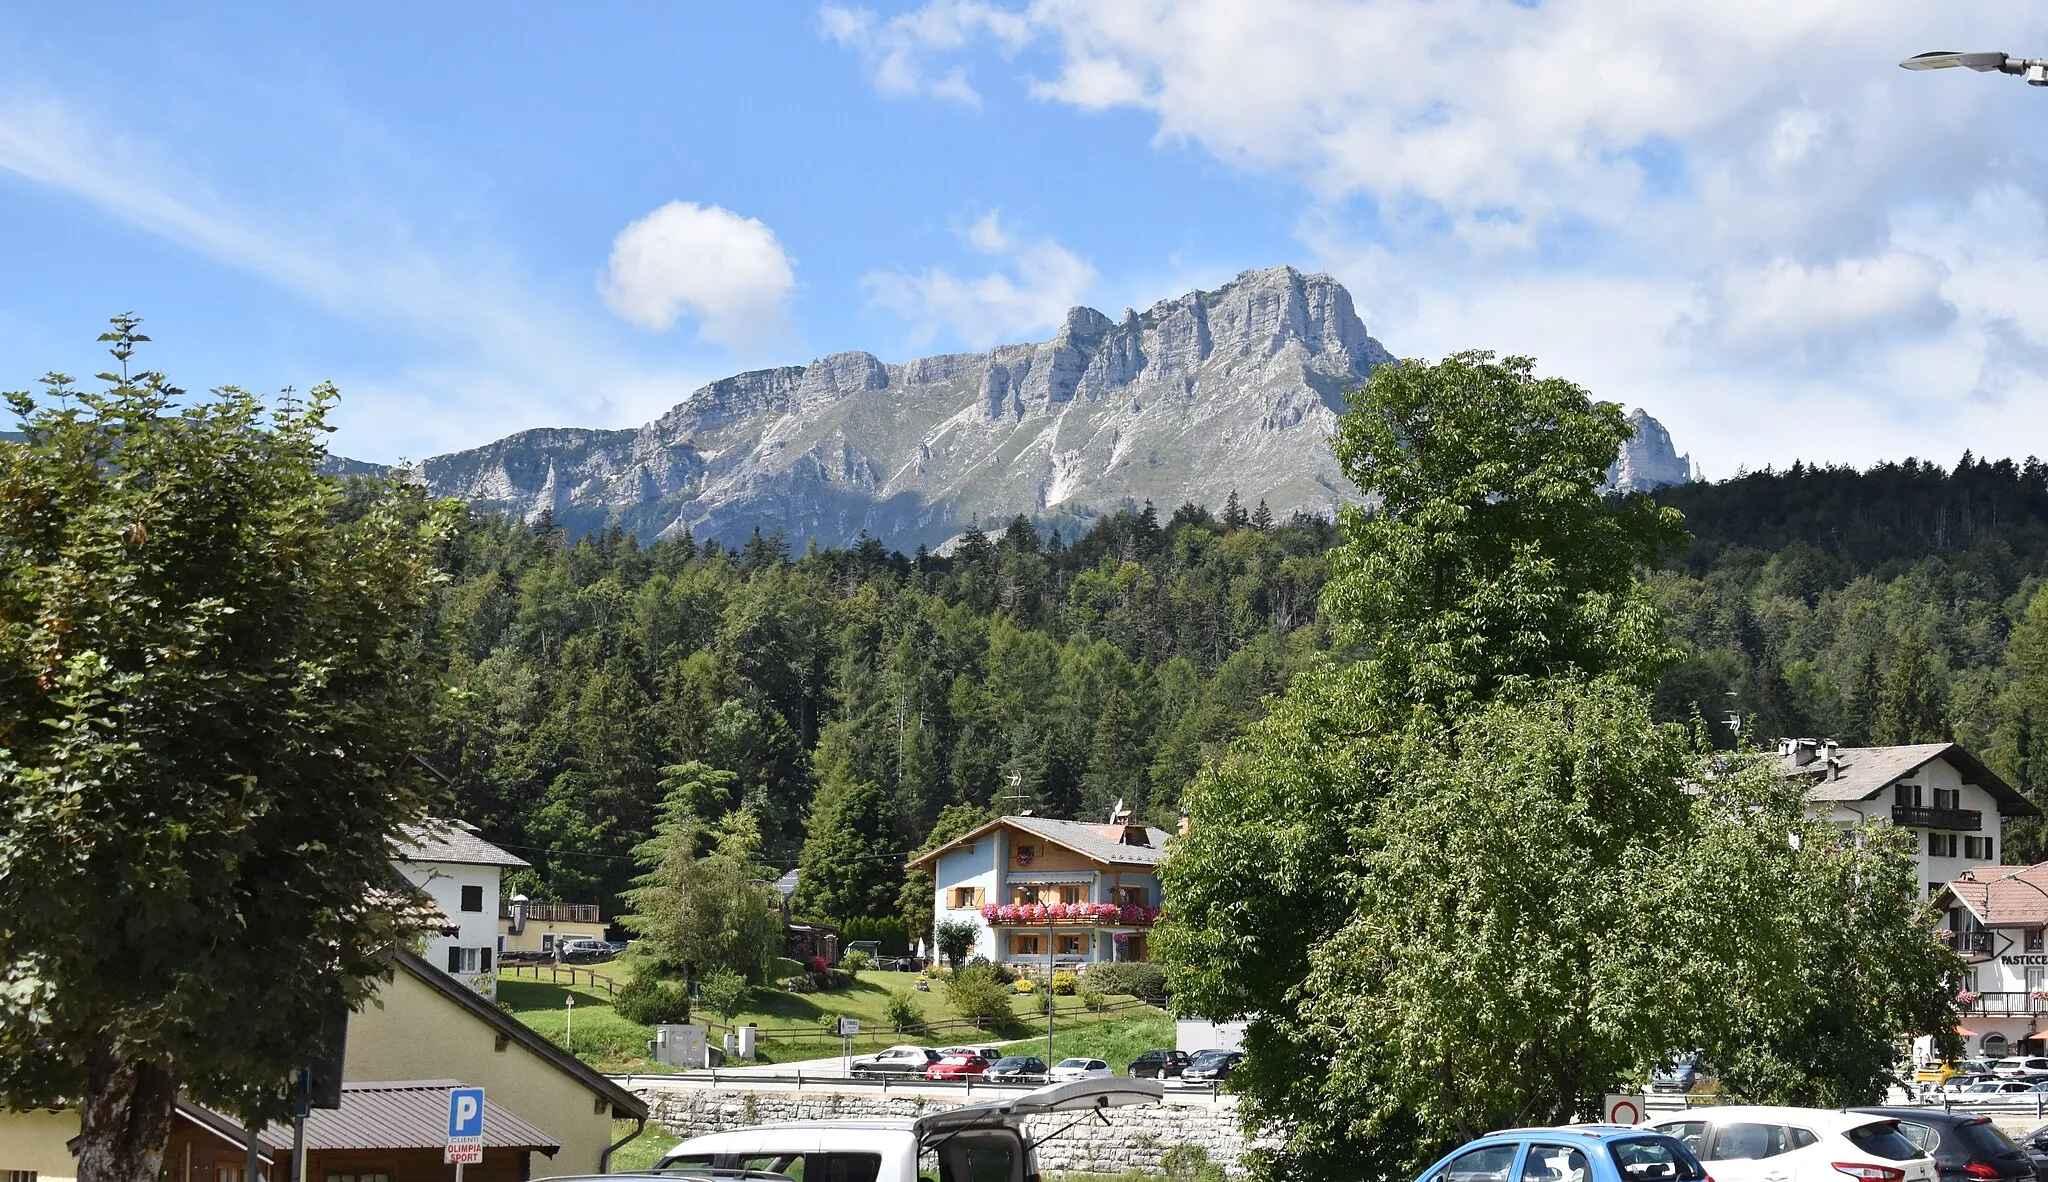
[(1571, 1153)]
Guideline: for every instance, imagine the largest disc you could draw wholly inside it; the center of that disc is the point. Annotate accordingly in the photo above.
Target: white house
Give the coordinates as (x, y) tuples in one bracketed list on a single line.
[(1039, 890), (460, 871), (1954, 805), (1995, 916)]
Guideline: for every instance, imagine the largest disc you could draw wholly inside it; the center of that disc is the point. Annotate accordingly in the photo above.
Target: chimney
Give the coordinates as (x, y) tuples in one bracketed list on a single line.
[(518, 914), (1834, 766), (1800, 751)]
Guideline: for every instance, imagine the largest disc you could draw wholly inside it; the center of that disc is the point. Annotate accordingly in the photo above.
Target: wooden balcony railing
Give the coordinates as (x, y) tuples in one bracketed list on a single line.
[(1920, 817)]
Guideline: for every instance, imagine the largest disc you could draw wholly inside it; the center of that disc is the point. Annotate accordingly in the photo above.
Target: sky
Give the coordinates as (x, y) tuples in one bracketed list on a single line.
[(1740, 216)]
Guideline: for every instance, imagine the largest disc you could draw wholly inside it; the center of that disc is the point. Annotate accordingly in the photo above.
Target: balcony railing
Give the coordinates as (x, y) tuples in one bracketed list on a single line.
[(1970, 943), (1919, 817), (555, 912), (1038, 915), (2002, 1005)]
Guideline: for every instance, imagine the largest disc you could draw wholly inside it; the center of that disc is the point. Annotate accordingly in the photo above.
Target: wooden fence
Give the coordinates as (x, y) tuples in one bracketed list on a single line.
[(555, 973)]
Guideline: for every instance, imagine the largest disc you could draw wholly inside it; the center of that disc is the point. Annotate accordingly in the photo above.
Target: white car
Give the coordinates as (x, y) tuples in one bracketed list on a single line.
[(2021, 1067), (1742, 1143), (1072, 1069), (908, 1062), (983, 1137), (1993, 1091)]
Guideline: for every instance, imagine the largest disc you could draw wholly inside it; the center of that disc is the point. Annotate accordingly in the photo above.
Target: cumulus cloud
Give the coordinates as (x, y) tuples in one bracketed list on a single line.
[(898, 50), (1036, 282), (1791, 311), (726, 272)]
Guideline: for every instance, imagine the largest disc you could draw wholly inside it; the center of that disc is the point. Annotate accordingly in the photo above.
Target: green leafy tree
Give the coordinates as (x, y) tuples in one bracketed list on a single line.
[(1910, 706), (724, 993), (210, 690), (955, 939), (852, 865), (705, 902), (2019, 748)]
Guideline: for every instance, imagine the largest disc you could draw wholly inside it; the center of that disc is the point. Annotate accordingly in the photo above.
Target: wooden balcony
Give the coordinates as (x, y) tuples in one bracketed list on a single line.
[(1915, 816)]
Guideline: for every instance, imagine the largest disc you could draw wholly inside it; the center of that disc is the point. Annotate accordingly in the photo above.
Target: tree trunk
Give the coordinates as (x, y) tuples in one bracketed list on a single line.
[(124, 1120)]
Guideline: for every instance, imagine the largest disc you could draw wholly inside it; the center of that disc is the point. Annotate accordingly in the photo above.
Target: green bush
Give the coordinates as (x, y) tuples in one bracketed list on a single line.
[(853, 962), (651, 1001), (1092, 1000), (903, 1013), (977, 995), (1189, 1163), (1139, 978), (1064, 983), (724, 993)]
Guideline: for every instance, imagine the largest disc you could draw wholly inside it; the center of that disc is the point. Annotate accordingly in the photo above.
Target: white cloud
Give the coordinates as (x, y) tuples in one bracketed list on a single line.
[(702, 261), (1044, 280), (1733, 214), (897, 50)]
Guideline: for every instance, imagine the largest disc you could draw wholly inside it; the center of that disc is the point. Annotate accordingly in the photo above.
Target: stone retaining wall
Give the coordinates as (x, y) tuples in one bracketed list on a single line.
[(1134, 1141)]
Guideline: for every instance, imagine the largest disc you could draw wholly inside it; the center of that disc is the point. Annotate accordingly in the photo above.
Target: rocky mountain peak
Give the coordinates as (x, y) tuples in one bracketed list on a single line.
[(1648, 460)]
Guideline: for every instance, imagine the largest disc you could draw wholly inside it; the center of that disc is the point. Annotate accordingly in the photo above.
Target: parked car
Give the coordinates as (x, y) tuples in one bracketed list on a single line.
[(577, 949), (896, 1061), (1159, 1064), (957, 1067), (1960, 1083), (1744, 1143), (985, 1137), (990, 1053), (1016, 1069), (2021, 1067), (2035, 1145), (1068, 1070), (1574, 1153), (1210, 1066), (1935, 1074), (1963, 1146), (1680, 1076), (1991, 1091)]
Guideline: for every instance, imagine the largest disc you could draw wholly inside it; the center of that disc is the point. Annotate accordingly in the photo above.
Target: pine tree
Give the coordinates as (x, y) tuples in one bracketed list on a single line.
[(1234, 515), (1116, 761), (852, 865), (1863, 693), (1262, 517), (1910, 706)]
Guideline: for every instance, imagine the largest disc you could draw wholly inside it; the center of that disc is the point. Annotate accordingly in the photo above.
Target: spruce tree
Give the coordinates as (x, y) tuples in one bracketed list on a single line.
[(1262, 518), (1234, 515), (1910, 706)]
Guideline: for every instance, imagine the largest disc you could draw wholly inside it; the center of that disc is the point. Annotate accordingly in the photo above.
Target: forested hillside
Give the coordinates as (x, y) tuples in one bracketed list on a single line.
[(862, 691), (863, 687)]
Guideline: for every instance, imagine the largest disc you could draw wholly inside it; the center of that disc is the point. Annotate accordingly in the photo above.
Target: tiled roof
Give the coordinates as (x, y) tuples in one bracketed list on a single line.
[(1866, 771), (409, 1114), (1104, 843), (2005, 896), (450, 841)]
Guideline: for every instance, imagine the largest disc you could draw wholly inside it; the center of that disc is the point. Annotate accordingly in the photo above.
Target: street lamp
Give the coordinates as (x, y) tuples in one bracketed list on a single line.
[(2033, 68)]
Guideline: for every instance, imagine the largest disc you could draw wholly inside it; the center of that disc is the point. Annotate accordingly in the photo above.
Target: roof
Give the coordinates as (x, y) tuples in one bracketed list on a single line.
[(1863, 772), (1104, 843), (450, 841), (2004, 896), (623, 1102), (406, 1114)]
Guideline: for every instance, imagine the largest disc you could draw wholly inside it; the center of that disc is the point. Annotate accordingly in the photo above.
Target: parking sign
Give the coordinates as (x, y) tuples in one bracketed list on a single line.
[(465, 1115)]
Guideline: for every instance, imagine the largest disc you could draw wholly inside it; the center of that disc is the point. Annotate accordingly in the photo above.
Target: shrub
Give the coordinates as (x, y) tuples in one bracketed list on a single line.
[(1189, 1163), (1092, 1000), (1139, 978), (1024, 985), (651, 1001), (903, 1014), (976, 994), (724, 993), (853, 962), (1064, 983)]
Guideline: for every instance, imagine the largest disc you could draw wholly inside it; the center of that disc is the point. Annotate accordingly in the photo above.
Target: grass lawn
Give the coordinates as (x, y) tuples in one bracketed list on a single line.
[(794, 1025), (1115, 1043), (642, 1151)]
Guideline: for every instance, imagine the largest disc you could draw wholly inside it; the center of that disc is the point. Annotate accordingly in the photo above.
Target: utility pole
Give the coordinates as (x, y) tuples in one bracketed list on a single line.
[(1052, 1000)]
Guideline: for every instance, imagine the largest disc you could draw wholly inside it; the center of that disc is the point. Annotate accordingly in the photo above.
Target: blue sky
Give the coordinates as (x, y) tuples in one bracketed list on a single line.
[(477, 219)]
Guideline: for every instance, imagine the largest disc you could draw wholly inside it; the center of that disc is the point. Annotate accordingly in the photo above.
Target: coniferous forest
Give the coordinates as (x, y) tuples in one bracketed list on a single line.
[(859, 693)]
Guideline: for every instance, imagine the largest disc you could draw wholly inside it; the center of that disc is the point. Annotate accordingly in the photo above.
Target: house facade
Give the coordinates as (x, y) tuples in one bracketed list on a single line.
[(1041, 891), (460, 871), (526, 928), (1996, 917), (1954, 806)]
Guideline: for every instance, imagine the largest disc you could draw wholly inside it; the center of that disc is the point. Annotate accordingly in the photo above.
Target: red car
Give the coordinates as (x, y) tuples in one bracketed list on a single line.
[(957, 1067)]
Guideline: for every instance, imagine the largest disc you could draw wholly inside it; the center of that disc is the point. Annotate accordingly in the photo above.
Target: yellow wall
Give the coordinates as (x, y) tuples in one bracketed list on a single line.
[(35, 1141), (529, 940), (415, 1033)]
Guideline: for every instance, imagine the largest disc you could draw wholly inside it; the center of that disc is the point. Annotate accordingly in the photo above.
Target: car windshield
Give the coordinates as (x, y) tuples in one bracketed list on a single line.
[(1013, 1061), (1206, 1058), (1075, 1063)]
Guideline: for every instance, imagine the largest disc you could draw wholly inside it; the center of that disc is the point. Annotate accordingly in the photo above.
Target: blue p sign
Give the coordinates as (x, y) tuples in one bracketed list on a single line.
[(465, 1113)]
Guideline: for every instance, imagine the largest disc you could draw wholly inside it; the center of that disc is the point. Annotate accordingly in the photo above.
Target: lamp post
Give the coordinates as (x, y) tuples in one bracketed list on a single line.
[(2033, 69), (1052, 1000), (569, 1023)]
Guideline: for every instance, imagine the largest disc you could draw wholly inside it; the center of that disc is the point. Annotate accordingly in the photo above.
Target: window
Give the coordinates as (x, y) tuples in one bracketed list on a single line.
[(469, 960), (1648, 1159), (963, 897), (472, 898), (1751, 1142), (1025, 945), (1941, 845), (358, 1178), (1883, 1140), (1025, 854), (1554, 1163), (547, 941), (2033, 938), (1690, 1133), (1978, 848), (1995, 1045), (1948, 798), (1069, 945), (1922, 1136), (1488, 1163), (1131, 896), (1906, 796), (1021, 895), (17, 1176), (1070, 894)]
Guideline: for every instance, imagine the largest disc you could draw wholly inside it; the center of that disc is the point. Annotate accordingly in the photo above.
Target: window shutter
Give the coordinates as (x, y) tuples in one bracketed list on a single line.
[(484, 961), (454, 959)]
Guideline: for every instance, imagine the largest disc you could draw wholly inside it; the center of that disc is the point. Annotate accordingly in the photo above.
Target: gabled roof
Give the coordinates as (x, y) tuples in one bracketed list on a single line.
[(623, 1102), (1104, 843), (450, 841), (1866, 771), (2004, 896)]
